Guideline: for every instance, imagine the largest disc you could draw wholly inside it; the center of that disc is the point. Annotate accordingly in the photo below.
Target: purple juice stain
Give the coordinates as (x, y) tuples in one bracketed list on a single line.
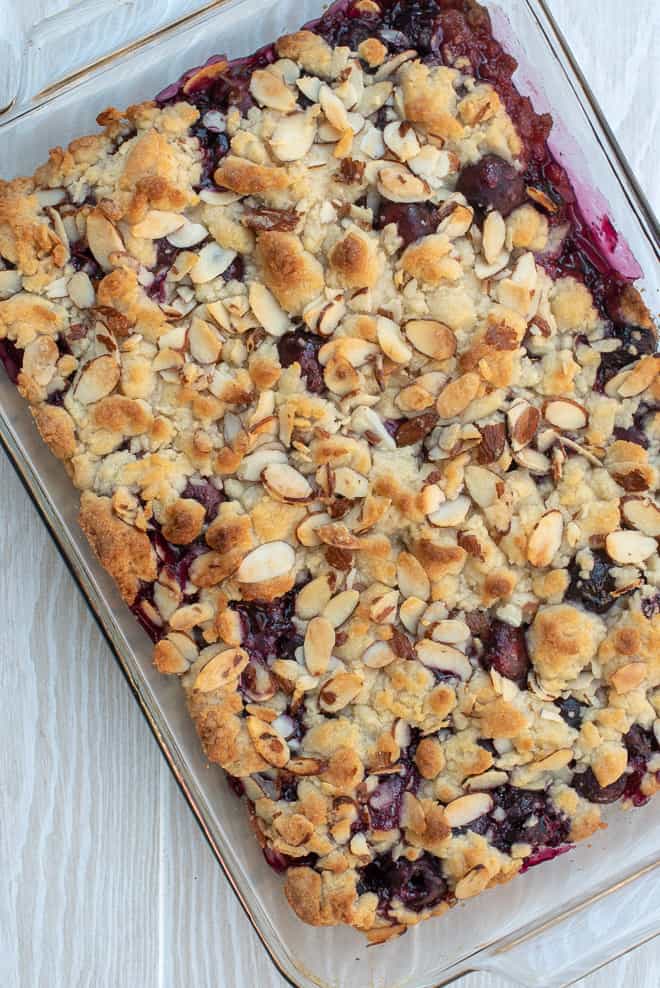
[(303, 348), (543, 855), (527, 817), (166, 254), (417, 884), (206, 494)]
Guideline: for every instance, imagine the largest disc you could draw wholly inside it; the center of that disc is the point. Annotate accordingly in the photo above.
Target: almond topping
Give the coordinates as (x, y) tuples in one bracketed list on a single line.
[(313, 597), (222, 670), (639, 377), (304, 766), (451, 513), (188, 235), (392, 342), (378, 655), (293, 136), (398, 184), (456, 396), (284, 483), (269, 89), (318, 646), (642, 514), (339, 691), (81, 290), (467, 808), (484, 486), (384, 609), (266, 563), (545, 540), (523, 421), (103, 238), (97, 379), (339, 536), (436, 655), (473, 883), (157, 224), (630, 548), (431, 338), (629, 676), (565, 414), (268, 311), (339, 609), (307, 530), (267, 742), (211, 262), (401, 139), (204, 342), (411, 577), (494, 234)]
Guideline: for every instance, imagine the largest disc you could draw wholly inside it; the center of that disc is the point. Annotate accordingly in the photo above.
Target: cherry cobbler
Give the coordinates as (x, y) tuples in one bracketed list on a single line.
[(365, 428)]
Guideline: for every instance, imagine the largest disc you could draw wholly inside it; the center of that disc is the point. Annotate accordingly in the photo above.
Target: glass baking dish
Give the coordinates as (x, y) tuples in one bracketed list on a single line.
[(558, 922)]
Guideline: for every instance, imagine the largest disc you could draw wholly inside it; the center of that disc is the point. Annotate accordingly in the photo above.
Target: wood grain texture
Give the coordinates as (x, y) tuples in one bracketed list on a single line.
[(106, 880)]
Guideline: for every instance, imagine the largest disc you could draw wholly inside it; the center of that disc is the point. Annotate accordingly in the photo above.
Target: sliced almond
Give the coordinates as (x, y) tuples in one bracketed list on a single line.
[(349, 483), (103, 238), (410, 613), (212, 261), (537, 463), (392, 342), (293, 136), (222, 670), (639, 377), (334, 109), (565, 414), (629, 547), (641, 513), (357, 352), (523, 421), (266, 562), (10, 284), (339, 609), (204, 342), (269, 89), (473, 883), (267, 742), (339, 691), (457, 222), (450, 514), (411, 577), (494, 235), (338, 536), (285, 483), (487, 780), (465, 809), (484, 486), (318, 646), (378, 655), (188, 235), (307, 530), (157, 224), (97, 379), (451, 631), (457, 395), (384, 609), (81, 290), (545, 541), (437, 655), (401, 139), (629, 677), (398, 184), (431, 338), (313, 597)]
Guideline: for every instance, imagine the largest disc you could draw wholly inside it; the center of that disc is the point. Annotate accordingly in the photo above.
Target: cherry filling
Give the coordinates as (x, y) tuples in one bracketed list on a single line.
[(268, 629), (417, 884), (11, 358), (492, 184), (206, 494), (413, 220), (303, 348), (166, 254), (175, 561), (651, 606), (571, 711), (595, 591), (82, 259), (522, 816), (641, 745), (506, 651)]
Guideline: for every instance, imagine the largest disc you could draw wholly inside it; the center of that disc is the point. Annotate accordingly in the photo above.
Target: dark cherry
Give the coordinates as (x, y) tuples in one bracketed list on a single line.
[(651, 606), (641, 744), (586, 785), (11, 358), (235, 785), (280, 862), (206, 494), (527, 817), (413, 220), (635, 342), (303, 348), (492, 183), (632, 435), (594, 592), (571, 711), (506, 651), (268, 630), (417, 884), (166, 255)]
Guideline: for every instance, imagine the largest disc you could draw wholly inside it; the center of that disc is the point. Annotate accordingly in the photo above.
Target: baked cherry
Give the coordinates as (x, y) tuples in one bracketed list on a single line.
[(206, 494), (571, 711), (417, 884), (303, 348), (506, 651), (492, 183), (586, 785), (595, 591), (413, 220)]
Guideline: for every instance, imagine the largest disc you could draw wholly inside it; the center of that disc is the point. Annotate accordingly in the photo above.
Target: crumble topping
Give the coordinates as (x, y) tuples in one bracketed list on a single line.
[(370, 455)]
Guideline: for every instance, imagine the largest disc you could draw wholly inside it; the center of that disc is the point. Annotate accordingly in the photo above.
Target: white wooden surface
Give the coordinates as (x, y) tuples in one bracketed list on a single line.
[(106, 881)]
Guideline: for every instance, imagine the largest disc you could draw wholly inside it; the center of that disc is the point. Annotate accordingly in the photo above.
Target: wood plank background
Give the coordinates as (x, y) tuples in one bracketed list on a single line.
[(106, 880)]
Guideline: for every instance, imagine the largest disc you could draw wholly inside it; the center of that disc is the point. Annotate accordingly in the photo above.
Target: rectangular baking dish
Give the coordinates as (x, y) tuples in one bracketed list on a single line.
[(556, 923)]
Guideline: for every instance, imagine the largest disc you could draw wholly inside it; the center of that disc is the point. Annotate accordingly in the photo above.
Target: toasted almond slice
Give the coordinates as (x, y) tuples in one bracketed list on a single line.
[(188, 235), (629, 547), (253, 465), (103, 238), (203, 76), (629, 677), (356, 351), (431, 338), (639, 377), (384, 609), (81, 290), (330, 317), (223, 669), (398, 184), (365, 420), (537, 463), (339, 691), (10, 284), (334, 109), (545, 541), (473, 883), (266, 562), (451, 513), (565, 414), (204, 342), (494, 235), (484, 486), (313, 597), (451, 631), (457, 395), (436, 655), (293, 136), (211, 262), (487, 780), (307, 530), (411, 577), (458, 222), (304, 766), (191, 615), (523, 421), (269, 89), (268, 311), (339, 609), (642, 514), (267, 742), (157, 224), (285, 483), (309, 86), (465, 809), (392, 342), (350, 483), (318, 645), (97, 379), (339, 536), (378, 655), (401, 139)]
